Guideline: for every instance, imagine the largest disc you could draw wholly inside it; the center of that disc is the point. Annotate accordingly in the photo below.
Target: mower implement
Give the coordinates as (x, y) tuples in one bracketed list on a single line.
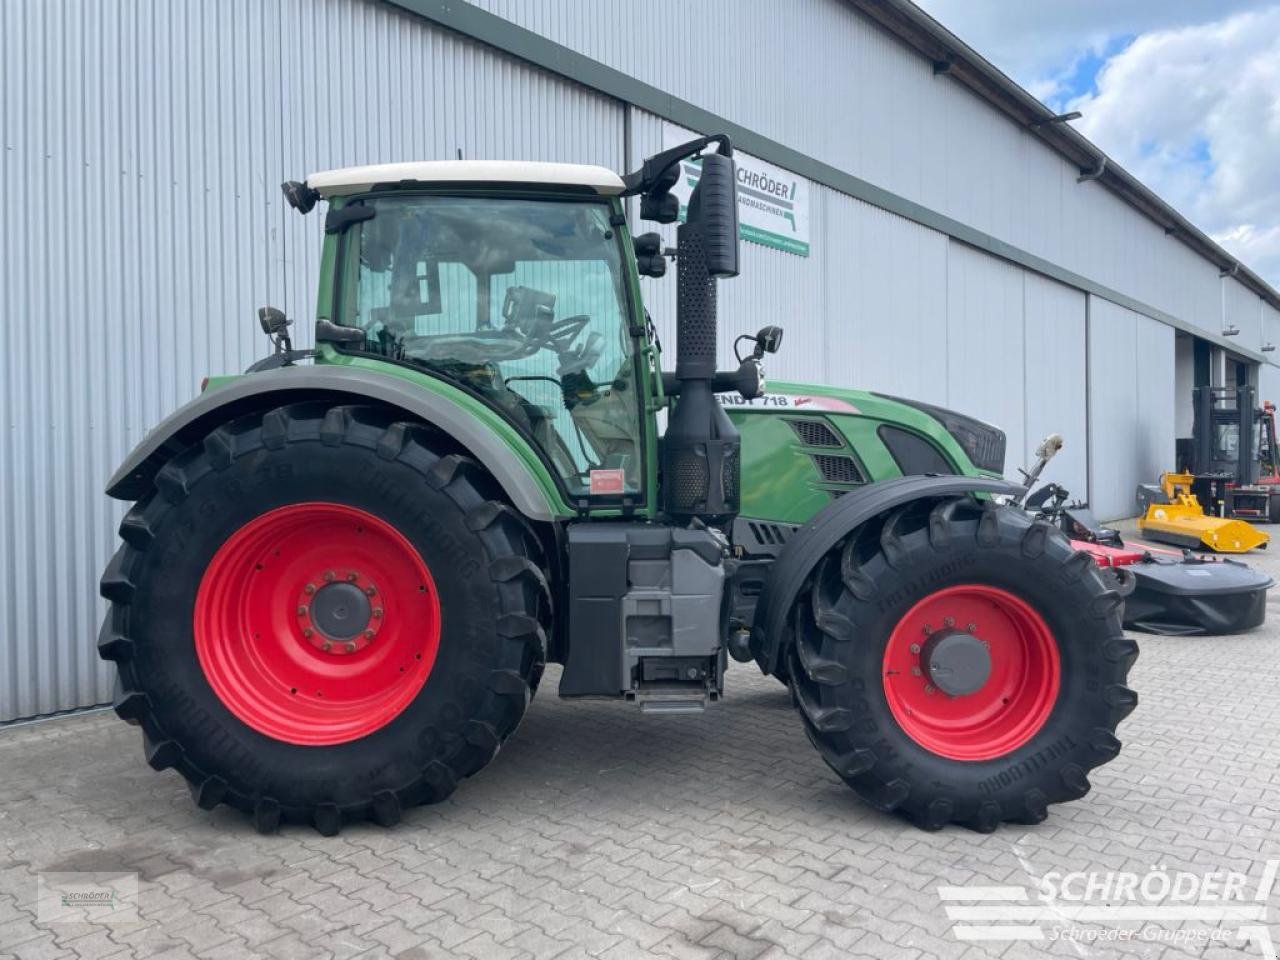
[(1174, 515), (1174, 593), (343, 572)]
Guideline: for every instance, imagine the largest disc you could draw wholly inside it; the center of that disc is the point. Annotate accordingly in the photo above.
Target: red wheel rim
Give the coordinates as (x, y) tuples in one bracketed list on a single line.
[(317, 623), (1019, 692)]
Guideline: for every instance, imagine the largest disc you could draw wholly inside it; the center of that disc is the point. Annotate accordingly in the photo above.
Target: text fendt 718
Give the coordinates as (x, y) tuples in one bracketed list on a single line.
[(344, 571)]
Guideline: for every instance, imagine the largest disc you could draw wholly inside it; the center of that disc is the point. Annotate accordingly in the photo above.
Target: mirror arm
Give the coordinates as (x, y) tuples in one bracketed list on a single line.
[(651, 170)]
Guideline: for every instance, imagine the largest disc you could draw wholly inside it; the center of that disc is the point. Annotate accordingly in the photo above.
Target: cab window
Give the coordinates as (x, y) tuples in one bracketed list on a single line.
[(523, 302)]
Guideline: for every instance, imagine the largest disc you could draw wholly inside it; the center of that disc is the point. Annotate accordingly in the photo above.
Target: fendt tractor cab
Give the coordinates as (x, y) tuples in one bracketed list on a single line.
[(344, 571)]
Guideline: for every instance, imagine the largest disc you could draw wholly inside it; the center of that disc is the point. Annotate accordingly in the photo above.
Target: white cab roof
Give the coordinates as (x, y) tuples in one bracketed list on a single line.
[(348, 180)]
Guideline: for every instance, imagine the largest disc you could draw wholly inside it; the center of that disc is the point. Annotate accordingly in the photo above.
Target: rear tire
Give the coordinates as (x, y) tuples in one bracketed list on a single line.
[(1057, 661), (254, 689)]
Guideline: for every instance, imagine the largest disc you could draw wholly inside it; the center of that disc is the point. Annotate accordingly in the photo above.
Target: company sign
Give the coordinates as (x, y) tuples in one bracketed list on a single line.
[(773, 204)]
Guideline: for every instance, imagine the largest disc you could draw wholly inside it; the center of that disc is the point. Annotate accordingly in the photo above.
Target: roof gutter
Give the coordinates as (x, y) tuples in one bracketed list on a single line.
[(965, 65)]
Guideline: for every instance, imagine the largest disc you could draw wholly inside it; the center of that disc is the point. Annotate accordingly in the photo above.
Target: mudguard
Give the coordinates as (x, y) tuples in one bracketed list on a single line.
[(346, 384), (827, 528)]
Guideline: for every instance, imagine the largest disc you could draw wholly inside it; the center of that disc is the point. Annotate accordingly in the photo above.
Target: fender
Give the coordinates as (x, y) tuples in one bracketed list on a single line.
[(347, 384), (827, 528)]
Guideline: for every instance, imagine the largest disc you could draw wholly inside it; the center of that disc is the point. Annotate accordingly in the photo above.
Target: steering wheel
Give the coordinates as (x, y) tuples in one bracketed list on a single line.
[(560, 334)]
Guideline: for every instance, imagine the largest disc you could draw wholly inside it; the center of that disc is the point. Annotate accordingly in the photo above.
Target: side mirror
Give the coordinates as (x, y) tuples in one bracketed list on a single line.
[(299, 196), (649, 259), (768, 340), (714, 208), (658, 203)]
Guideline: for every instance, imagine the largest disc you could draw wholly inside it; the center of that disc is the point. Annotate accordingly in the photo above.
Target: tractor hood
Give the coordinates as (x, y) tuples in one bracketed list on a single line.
[(803, 444), (973, 445)]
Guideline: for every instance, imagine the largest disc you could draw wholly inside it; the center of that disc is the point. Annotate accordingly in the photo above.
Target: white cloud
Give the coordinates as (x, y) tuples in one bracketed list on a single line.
[(1191, 105), (1194, 113), (1038, 43)]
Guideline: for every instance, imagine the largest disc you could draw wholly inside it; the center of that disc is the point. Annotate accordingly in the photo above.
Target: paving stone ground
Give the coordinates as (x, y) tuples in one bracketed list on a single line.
[(601, 832)]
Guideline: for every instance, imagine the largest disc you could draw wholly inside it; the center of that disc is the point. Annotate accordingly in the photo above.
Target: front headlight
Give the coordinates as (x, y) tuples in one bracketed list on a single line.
[(982, 443)]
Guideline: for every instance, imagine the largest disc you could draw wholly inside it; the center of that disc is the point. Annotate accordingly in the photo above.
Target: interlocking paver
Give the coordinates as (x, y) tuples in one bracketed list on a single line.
[(600, 832), (41, 947)]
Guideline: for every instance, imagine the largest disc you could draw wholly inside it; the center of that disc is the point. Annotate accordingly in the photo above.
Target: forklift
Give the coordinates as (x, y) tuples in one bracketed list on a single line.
[(1233, 459), (1259, 500)]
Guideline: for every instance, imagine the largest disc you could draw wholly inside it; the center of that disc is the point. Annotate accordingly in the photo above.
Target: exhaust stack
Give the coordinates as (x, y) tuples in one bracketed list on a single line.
[(701, 450)]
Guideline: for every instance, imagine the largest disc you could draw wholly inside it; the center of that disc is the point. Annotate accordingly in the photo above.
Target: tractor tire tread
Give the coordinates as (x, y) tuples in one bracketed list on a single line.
[(507, 538), (827, 622)]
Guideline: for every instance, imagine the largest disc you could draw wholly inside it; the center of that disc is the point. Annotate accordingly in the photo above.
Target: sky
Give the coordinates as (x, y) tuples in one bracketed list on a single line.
[(1185, 94)]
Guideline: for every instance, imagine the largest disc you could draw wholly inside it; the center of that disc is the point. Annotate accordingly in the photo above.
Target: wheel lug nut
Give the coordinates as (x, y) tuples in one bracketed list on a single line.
[(326, 646), (915, 671), (377, 611), (308, 633), (972, 627), (928, 688), (309, 588), (329, 576), (915, 648), (351, 648), (302, 611), (369, 590), (948, 621), (353, 576), (926, 629), (368, 634)]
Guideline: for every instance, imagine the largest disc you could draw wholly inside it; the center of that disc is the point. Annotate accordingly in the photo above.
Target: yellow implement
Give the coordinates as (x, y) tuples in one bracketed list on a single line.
[(1175, 516)]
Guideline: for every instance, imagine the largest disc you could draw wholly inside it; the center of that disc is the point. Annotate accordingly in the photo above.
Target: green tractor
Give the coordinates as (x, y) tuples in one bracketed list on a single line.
[(340, 579)]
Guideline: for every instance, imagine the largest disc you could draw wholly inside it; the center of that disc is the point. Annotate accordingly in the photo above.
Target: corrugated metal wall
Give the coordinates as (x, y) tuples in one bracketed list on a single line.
[(1131, 402), (147, 142)]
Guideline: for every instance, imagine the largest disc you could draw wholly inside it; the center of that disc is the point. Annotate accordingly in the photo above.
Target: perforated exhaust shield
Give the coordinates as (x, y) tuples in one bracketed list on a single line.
[(700, 450)]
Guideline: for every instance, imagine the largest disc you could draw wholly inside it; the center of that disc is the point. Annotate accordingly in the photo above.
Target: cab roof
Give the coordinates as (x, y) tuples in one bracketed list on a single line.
[(349, 180)]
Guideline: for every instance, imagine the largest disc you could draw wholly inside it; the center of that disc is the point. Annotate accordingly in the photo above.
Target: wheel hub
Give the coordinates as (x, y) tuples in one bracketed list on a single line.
[(956, 662), (340, 610), (339, 615)]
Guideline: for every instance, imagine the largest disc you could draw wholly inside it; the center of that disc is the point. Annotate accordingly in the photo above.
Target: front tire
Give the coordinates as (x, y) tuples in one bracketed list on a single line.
[(1006, 718), (321, 616)]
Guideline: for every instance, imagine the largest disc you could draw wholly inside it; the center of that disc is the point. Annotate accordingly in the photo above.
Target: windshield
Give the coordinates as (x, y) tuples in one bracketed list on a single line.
[(520, 300)]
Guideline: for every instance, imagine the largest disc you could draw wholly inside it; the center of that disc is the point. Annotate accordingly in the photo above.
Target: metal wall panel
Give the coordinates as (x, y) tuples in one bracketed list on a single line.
[(1054, 370), (1131, 403), (986, 344), (1015, 347), (1270, 327), (881, 114), (886, 282), (1243, 309), (148, 141)]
